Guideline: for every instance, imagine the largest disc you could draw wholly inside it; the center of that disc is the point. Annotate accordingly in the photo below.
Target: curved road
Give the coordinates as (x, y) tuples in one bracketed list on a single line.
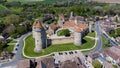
[(99, 40), (18, 55)]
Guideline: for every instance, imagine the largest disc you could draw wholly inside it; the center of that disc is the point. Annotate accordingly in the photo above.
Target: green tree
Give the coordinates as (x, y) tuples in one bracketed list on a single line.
[(21, 29), (9, 30), (2, 45), (12, 19), (97, 64), (117, 31)]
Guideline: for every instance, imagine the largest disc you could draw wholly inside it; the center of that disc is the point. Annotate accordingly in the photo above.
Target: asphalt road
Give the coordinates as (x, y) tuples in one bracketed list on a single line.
[(18, 55), (99, 40)]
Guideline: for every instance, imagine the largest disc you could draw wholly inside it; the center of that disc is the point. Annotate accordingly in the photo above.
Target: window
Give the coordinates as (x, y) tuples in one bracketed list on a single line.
[(37, 40)]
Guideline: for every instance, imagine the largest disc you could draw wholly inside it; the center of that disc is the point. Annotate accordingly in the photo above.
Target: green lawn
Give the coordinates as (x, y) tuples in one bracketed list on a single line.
[(97, 64), (88, 43), (104, 42), (92, 34), (10, 48), (13, 41), (115, 66)]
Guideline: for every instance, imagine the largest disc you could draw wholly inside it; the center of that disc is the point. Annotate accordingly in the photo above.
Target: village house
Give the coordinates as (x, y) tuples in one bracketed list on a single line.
[(112, 54)]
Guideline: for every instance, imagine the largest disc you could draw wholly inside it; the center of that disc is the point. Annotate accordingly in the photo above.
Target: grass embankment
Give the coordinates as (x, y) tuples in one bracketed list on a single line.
[(104, 42), (30, 44), (10, 48), (11, 45)]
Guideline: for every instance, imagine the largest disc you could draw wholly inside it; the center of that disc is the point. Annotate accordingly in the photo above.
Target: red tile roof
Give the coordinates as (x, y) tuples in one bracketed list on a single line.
[(38, 24), (54, 26), (111, 54), (78, 27)]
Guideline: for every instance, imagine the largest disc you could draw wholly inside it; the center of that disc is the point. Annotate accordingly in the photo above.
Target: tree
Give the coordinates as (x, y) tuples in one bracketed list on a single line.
[(2, 26), (97, 64), (117, 31), (2, 1), (21, 29), (2, 45), (9, 30), (12, 19)]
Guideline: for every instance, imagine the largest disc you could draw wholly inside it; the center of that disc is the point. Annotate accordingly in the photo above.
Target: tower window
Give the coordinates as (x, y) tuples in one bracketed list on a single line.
[(37, 40)]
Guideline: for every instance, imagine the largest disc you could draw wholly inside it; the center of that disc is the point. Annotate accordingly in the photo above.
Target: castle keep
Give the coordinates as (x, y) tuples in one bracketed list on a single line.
[(39, 35)]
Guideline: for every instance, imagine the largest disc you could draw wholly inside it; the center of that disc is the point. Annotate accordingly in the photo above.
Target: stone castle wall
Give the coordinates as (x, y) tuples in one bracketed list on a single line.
[(62, 40)]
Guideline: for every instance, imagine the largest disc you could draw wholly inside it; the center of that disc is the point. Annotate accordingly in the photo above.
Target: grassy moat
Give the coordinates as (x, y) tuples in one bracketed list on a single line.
[(30, 44)]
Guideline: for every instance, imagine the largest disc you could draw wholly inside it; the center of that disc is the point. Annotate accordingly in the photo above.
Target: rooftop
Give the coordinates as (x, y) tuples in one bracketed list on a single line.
[(78, 27)]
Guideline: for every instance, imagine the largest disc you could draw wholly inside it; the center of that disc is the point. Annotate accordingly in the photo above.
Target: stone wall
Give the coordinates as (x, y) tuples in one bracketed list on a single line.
[(62, 40)]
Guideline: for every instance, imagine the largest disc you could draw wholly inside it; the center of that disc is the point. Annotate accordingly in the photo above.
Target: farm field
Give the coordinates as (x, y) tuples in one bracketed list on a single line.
[(107, 1), (25, 0)]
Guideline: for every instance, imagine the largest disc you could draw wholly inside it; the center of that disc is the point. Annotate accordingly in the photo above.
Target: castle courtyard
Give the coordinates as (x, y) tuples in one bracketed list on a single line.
[(30, 44)]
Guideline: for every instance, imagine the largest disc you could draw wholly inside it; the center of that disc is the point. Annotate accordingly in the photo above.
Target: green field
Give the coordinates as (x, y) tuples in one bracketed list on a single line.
[(13, 41), (29, 47), (10, 48), (104, 42), (24, 0), (45, 1)]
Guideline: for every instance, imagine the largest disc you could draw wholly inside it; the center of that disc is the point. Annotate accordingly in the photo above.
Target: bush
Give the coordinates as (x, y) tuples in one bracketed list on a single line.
[(97, 64), (14, 35), (64, 32)]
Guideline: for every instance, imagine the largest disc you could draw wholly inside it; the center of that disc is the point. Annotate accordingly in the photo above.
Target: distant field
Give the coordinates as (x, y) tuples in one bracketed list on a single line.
[(107, 1), (44, 1), (25, 0)]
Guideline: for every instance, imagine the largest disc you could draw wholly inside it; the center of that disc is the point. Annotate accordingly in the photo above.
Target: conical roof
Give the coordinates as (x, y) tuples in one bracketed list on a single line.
[(39, 24)]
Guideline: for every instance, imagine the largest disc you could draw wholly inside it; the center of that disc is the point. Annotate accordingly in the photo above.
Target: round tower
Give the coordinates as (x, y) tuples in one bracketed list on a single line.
[(40, 37), (33, 29), (77, 38)]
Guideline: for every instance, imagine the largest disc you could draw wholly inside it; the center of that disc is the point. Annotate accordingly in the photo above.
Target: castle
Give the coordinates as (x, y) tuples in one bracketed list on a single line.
[(76, 25)]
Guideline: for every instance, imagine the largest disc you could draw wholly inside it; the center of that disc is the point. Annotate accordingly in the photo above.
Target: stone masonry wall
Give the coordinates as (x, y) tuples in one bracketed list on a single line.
[(62, 40)]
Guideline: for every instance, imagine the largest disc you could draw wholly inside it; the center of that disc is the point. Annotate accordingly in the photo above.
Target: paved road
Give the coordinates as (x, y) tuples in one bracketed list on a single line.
[(18, 55), (99, 39)]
